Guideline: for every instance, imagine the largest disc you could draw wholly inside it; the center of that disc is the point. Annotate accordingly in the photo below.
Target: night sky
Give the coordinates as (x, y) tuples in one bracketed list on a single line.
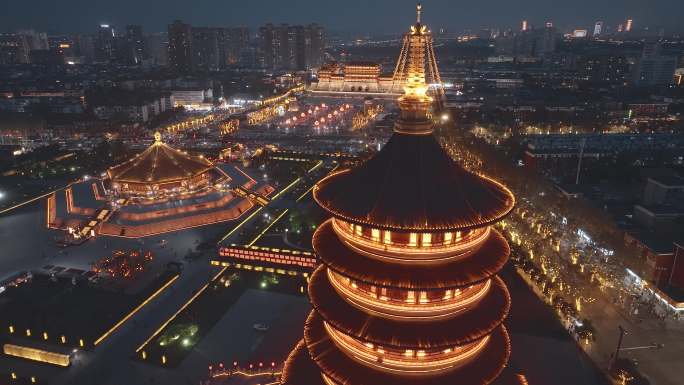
[(377, 16)]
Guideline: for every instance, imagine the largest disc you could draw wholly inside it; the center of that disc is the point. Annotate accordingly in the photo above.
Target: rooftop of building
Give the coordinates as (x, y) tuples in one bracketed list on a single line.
[(671, 181), (413, 184), (121, 97), (361, 63), (654, 242), (663, 209), (159, 163)]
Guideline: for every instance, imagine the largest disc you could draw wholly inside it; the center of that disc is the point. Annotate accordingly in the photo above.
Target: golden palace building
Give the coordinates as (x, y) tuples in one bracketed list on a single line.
[(353, 77)]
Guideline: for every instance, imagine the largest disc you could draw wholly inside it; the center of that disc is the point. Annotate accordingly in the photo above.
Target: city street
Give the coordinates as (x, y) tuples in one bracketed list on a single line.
[(592, 279)]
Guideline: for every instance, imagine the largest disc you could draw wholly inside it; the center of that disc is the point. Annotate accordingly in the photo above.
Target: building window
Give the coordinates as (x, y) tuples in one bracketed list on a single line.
[(427, 239), (413, 239)]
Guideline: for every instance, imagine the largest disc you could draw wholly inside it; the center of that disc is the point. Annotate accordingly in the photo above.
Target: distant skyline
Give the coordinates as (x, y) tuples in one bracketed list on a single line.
[(374, 16)]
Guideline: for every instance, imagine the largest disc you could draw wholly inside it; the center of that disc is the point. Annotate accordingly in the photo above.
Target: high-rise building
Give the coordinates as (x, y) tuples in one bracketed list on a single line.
[(249, 57), (135, 44), (525, 26), (407, 292), (598, 28), (36, 40), (269, 46), (65, 43), (316, 46), (205, 48), (602, 68), (297, 44), (14, 49), (629, 25), (291, 47), (232, 41), (533, 42), (105, 43), (180, 46), (157, 48), (86, 47), (654, 68)]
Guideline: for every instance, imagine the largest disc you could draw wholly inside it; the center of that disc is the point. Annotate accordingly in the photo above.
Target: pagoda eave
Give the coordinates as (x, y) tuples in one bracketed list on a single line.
[(300, 369), (344, 370)]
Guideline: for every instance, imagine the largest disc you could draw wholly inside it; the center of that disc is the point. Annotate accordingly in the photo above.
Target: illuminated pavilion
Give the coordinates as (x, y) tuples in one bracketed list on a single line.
[(158, 191), (162, 170), (407, 292)]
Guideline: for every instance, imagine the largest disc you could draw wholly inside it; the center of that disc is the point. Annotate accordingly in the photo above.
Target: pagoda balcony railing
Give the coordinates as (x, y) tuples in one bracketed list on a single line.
[(415, 306), (406, 361), (410, 247)]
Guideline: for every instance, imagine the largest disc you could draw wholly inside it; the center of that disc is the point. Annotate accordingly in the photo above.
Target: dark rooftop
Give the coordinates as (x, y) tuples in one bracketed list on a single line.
[(413, 184)]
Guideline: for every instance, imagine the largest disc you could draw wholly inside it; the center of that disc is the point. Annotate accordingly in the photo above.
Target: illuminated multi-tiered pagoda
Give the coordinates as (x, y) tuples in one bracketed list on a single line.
[(407, 292), (418, 42)]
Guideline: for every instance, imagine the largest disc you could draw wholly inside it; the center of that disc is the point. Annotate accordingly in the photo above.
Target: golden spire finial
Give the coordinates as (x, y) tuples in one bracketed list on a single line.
[(419, 10), (157, 137)]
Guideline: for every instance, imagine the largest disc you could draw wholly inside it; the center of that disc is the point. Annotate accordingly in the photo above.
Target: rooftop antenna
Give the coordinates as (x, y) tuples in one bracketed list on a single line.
[(419, 10)]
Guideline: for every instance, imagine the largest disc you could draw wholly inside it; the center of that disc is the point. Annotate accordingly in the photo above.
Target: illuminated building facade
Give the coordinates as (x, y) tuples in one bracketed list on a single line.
[(407, 291), (353, 77), (598, 28)]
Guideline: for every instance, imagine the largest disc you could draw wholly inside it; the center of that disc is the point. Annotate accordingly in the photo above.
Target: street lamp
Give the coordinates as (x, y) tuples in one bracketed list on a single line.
[(619, 345)]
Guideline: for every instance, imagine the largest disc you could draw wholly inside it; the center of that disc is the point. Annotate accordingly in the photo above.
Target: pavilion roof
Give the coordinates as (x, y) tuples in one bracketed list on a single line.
[(159, 163)]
